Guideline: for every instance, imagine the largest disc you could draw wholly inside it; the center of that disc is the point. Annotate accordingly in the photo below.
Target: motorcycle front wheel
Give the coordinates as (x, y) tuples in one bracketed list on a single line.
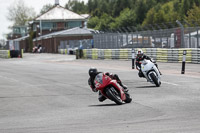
[(155, 80), (114, 95)]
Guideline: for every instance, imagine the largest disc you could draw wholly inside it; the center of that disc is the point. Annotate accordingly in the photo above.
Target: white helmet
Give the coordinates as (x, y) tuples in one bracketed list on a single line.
[(139, 53)]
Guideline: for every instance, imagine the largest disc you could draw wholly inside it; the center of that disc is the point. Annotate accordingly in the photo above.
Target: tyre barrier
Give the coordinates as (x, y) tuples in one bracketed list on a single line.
[(11, 53), (16, 53), (158, 54)]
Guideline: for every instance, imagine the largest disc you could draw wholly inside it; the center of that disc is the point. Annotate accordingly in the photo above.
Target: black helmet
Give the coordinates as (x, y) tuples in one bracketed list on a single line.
[(92, 72)]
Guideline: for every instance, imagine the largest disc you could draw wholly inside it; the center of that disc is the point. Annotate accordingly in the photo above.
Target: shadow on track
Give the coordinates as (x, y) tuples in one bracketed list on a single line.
[(153, 86), (103, 105)]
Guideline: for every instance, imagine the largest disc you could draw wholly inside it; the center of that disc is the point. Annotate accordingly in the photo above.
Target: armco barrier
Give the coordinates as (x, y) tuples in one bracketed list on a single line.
[(158, 54), (94, 53), (198, 55), (108, 54), (172, 55), (123, 54), (62, 51), (162, 55), (194, 55), (4, 53)]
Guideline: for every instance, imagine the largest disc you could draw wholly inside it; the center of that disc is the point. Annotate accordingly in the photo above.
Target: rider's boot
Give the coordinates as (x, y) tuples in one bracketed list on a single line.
[(101, 97), (160, 73), (124, 87)]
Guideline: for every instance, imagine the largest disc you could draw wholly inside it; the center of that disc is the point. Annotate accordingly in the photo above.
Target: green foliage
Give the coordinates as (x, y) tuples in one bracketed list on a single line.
[(76, 6), (102, 23), (123, 13), (162, 13), (193, 15), (45, 8), (19, 13), (93, 22), (127, 17)]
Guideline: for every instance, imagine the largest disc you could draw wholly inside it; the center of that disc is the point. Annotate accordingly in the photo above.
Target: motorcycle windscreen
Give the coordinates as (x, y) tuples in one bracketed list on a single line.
[(99, 78)]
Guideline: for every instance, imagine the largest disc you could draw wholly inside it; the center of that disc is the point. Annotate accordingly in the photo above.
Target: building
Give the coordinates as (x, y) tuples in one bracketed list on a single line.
[(54, 27), (66, 39), (56, 19), (17, 32)]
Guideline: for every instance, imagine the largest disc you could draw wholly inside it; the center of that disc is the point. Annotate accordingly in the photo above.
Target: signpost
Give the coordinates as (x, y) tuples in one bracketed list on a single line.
[(183, 61)]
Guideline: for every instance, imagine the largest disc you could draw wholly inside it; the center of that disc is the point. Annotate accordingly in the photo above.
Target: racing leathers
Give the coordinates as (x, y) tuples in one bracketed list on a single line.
[(138, 64)]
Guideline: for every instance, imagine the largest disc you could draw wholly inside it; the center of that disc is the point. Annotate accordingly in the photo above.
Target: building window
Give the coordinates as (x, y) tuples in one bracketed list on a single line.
[(66, 25), (16, 30), (54, 25), (73, 24), (47, 25)]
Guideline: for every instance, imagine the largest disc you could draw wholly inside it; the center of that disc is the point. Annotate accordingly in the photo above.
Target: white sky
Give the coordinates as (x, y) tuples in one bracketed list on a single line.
[(36, 4)]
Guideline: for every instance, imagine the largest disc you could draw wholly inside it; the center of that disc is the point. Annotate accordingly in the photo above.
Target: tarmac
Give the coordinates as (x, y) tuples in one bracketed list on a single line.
[(43, 93)]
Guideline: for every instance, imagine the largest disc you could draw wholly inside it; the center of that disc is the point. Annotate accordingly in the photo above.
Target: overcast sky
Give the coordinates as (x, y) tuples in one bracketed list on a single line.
[(36, 4)]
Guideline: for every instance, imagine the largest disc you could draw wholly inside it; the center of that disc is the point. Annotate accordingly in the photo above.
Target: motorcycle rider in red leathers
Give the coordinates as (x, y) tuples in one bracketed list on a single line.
[(93, 72)]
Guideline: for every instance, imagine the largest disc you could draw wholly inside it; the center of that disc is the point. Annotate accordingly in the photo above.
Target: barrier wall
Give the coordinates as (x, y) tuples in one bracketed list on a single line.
[(158, 54), (11, 53), (4, 53), (62, 51)]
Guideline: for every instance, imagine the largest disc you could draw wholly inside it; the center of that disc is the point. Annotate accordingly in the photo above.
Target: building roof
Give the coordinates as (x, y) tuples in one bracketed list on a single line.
[(77, 31), (59, 13), (85, 15), (21, 38)]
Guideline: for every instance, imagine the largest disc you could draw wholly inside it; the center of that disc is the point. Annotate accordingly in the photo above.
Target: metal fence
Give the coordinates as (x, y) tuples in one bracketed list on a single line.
[(76, 44), (178, 37)]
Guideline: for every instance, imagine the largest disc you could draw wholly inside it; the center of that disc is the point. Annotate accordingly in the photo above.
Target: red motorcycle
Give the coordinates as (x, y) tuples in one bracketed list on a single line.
[(111, 89)]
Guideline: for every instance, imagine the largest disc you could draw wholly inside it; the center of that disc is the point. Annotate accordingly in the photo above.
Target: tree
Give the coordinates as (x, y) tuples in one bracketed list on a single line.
[(45, 8), (76, 6), (162, 13), (193, 15), (141, 10), (19, 13), (93, 22), (127, 18), (186, 5), (102, 23)]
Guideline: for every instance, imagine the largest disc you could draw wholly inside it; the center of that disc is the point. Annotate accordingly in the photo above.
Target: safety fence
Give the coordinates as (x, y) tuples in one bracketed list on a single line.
[(158, 54), (187, 37)]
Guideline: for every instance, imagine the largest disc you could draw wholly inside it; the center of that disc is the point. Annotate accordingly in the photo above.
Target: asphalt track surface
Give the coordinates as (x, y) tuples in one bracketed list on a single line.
[(48, 93)]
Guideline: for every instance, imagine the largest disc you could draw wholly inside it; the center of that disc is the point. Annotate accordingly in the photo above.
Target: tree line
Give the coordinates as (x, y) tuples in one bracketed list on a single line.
[(114, 14)]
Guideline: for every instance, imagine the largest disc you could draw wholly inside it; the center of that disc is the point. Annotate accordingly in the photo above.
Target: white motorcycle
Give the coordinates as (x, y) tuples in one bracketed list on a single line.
[(151, 72)]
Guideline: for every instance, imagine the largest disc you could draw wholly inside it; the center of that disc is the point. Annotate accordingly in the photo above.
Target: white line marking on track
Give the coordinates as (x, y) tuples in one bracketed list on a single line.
[(170, 83)]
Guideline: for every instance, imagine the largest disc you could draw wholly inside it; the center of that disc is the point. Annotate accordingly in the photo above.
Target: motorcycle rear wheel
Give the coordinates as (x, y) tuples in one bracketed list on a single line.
[(155, 80), (114, 95)]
